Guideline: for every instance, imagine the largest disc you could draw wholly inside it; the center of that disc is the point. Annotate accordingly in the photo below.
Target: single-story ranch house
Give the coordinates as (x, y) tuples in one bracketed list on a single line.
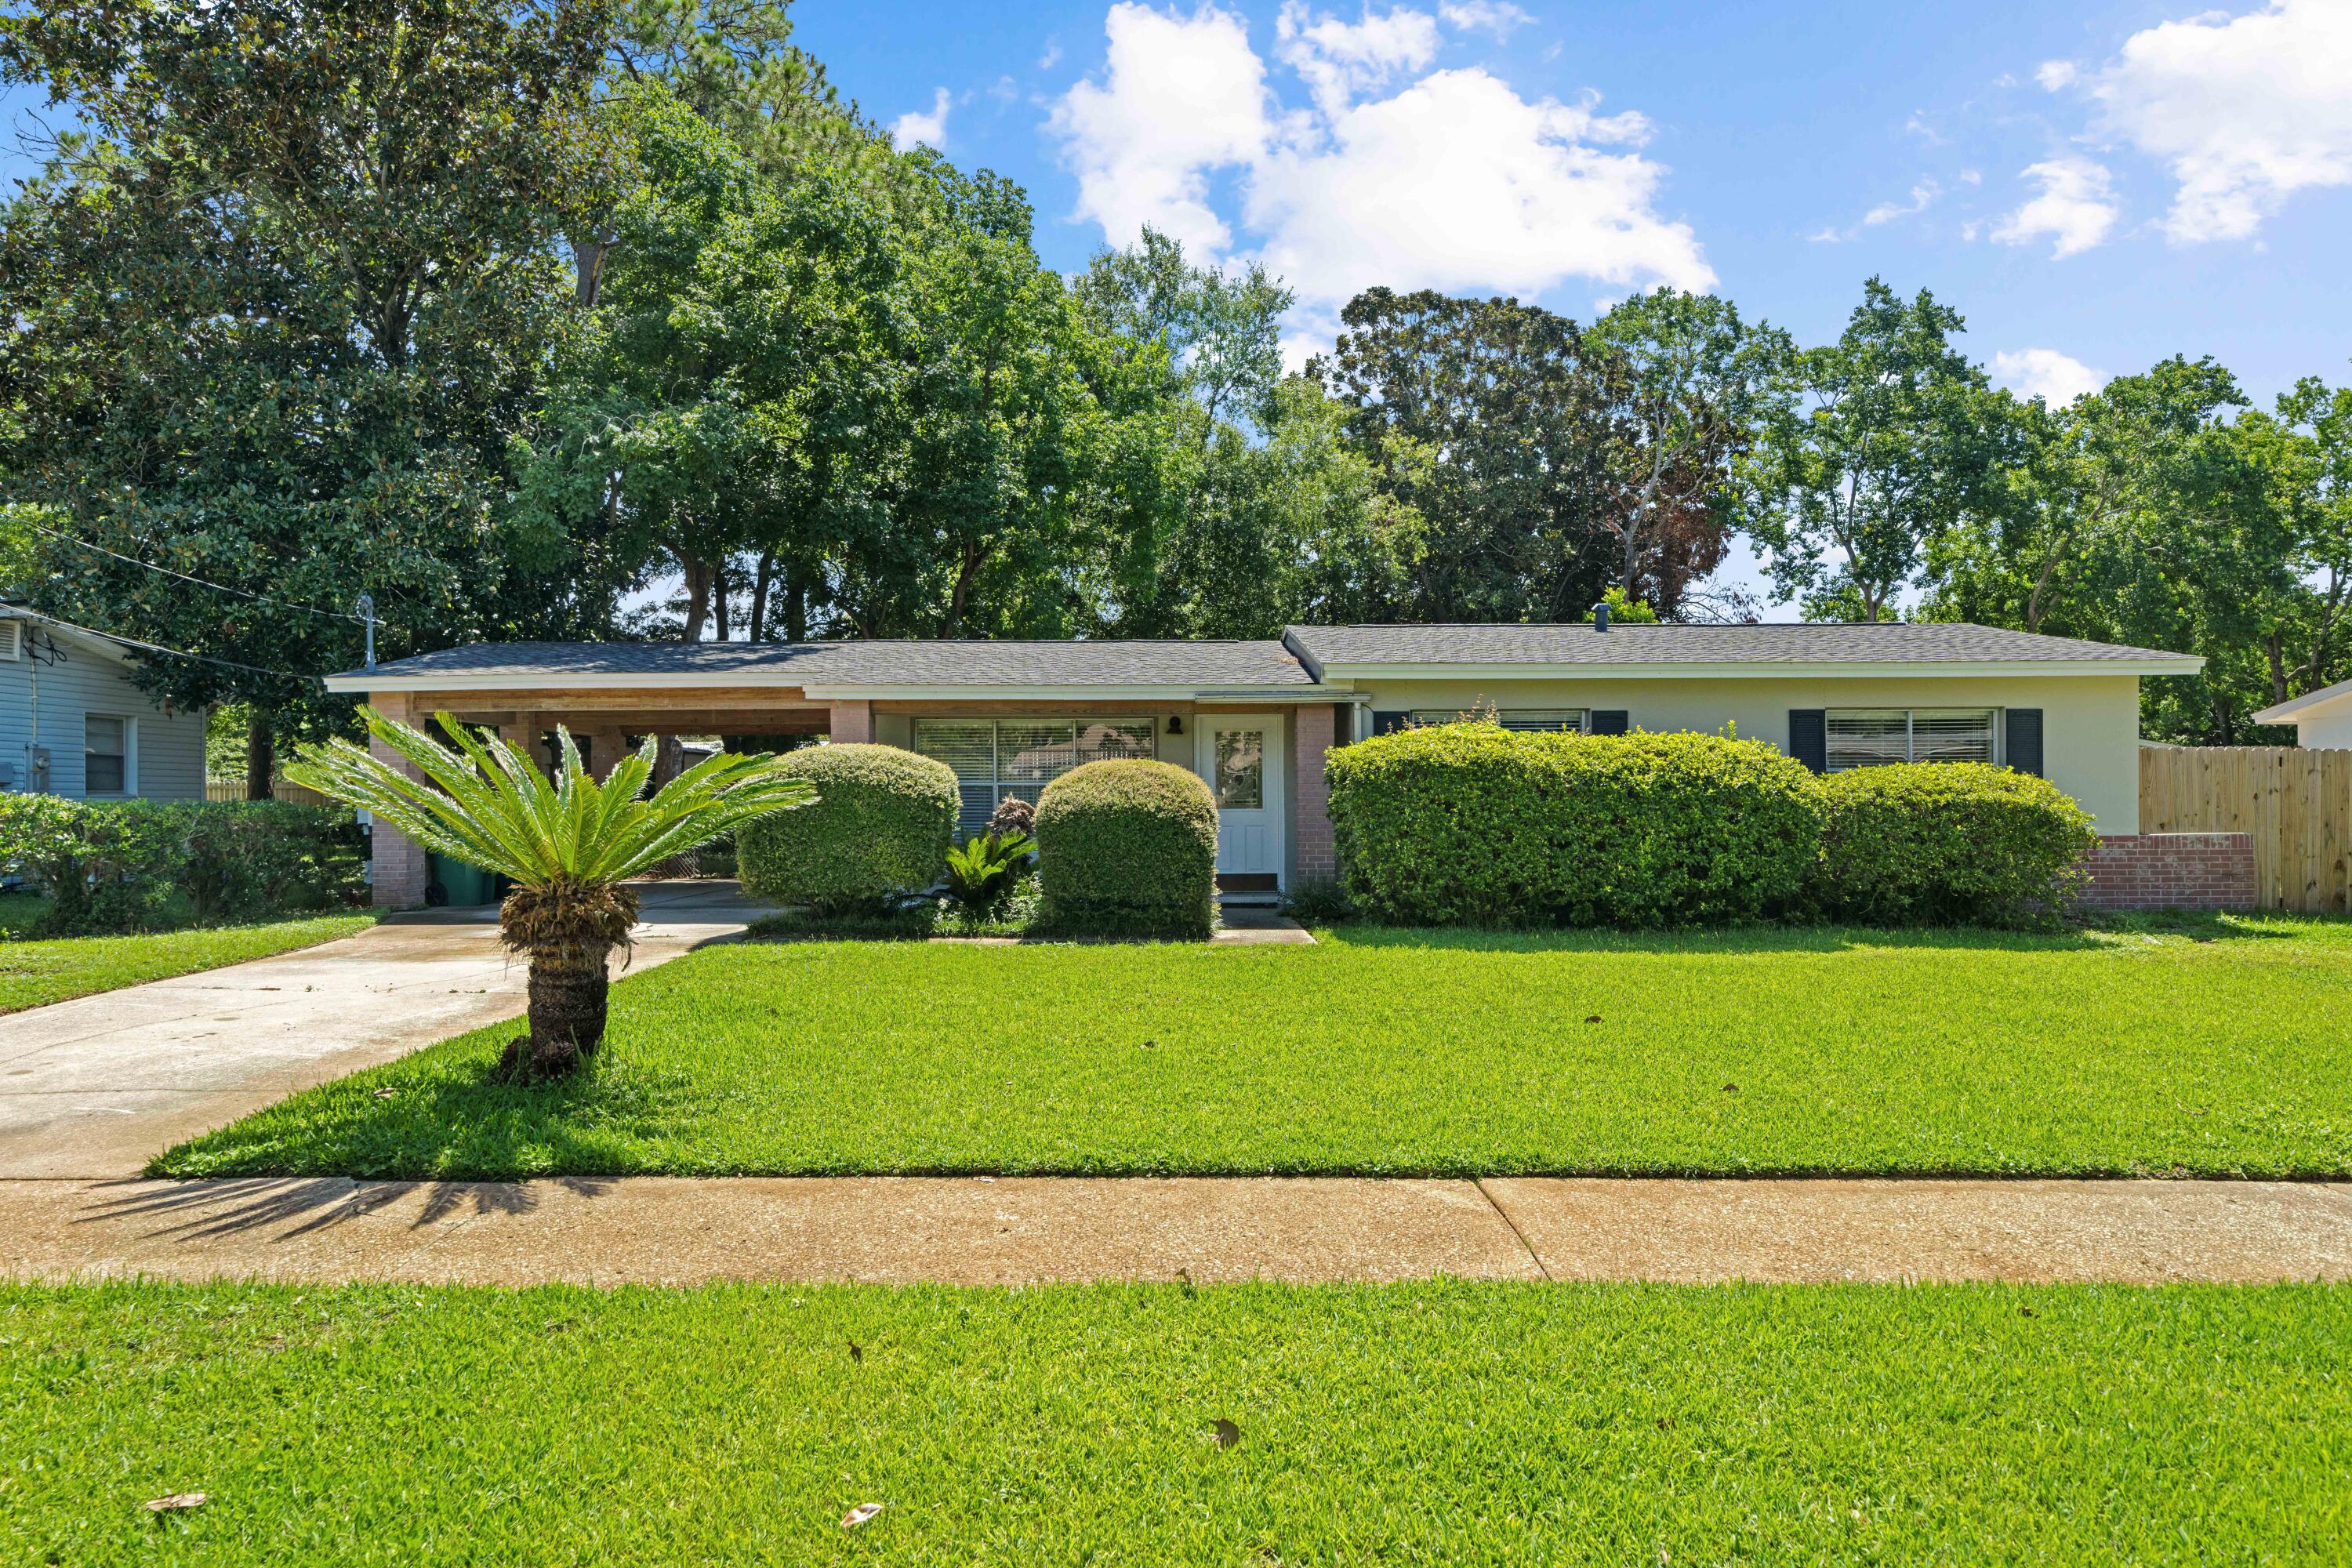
[(1256, 718)]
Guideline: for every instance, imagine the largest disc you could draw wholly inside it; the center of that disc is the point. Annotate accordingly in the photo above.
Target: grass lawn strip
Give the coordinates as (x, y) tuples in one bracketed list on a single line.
[(2216, 1050), (1440, 1423), (35, 974)]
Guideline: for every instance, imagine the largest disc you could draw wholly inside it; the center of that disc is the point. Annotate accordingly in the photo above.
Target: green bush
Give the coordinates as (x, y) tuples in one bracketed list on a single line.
[(141, 865), (1949, 844), (881, 825), (1127, 848), (1471, 824)]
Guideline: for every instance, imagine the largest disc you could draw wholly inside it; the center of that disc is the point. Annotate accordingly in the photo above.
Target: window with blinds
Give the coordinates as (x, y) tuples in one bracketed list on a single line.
[(1867, 737), (1573, 720), (994, 758)]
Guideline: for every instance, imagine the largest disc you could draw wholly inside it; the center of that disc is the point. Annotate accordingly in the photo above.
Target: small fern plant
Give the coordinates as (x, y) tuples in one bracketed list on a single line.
[(984, 871)]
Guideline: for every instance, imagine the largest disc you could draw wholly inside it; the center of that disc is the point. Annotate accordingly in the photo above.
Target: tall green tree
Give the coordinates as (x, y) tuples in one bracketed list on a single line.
[(1893, 438), (273, 321), (1494, 423), (1699, 385)]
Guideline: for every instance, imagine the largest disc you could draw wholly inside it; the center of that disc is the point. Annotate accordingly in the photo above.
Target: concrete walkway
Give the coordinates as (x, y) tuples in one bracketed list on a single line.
[(1009, 1231), (94, 1088)]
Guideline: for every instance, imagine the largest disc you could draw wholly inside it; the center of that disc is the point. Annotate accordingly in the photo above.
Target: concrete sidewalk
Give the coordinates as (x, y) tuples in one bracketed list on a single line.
[(96, 1087), (1011, 1231)]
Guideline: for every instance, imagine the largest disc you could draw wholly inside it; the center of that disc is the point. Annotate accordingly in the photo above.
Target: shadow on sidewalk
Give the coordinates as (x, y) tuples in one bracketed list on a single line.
[(204, 1210)]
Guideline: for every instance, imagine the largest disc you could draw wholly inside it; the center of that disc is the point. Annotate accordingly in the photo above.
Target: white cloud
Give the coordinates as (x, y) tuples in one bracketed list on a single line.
[(1459, 184), (2056, 378), (1923, 196), (2074, 206), (1179, 97), (2054, 74), (1496, 16), (2244, 111), (1450, 179), (1051, 57), (1338, 60), (926, 126)]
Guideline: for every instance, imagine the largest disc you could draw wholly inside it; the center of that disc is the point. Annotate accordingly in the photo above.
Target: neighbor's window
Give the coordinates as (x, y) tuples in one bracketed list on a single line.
[(994, 758), (106, 756), (1865, 737), (1240, 770), (1570, 719)]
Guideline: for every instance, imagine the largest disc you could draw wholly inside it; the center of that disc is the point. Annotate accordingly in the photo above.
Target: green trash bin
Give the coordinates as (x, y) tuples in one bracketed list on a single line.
[(465, 887)]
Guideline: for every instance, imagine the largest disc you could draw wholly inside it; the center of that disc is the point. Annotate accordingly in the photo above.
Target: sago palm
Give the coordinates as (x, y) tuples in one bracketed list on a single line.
[(566, 844)]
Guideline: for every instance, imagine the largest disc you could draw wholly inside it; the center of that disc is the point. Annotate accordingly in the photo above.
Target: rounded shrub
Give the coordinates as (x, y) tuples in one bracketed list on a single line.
[(1472, 823), (1127, 848), (1949, 844), (881, 823)]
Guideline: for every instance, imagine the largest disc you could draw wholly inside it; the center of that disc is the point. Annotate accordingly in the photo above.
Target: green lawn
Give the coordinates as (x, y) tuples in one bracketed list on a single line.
[(1442, 1423), (2217, 1048), (34, 974)]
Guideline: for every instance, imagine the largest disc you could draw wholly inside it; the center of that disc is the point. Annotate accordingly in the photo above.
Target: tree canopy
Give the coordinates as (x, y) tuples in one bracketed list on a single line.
[(610, 318)]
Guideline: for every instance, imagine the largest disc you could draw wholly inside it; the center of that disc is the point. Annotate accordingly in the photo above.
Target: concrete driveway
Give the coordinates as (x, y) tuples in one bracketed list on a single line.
[(96, 1087)]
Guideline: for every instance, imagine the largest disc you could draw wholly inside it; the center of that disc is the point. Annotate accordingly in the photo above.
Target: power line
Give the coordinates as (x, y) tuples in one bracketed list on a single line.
[(199, 581), (173, 652)]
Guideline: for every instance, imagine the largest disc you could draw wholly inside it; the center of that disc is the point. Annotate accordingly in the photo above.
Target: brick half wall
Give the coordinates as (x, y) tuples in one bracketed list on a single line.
[(2172, 871), (396, 870), (1314, 729)]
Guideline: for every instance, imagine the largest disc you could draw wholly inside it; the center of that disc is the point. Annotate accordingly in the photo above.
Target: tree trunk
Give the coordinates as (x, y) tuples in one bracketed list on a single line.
[(260, 758), (796, 611), (718, 592), (762, 578), (697, 596), (568, 998), (588, 254)]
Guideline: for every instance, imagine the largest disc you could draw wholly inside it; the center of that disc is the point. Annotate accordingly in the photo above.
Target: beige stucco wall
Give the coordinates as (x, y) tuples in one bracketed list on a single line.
[(2090, 724)]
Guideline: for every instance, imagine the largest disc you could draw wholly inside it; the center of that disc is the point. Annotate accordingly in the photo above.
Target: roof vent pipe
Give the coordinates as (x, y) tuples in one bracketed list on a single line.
[(1600, 616)]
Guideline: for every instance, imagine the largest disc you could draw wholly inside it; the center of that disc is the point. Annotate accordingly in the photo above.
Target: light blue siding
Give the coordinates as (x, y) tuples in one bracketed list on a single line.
[(167, 749)]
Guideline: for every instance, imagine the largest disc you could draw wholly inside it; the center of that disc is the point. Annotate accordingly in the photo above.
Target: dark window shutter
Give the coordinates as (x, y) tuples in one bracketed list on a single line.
[(1808, 737), (1610, 722), (2025, 740), (1389, 723)]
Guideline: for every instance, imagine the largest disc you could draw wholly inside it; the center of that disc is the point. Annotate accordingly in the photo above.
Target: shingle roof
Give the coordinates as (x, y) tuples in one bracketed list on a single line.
[(912, 663), (1884, 643), (982, 665)]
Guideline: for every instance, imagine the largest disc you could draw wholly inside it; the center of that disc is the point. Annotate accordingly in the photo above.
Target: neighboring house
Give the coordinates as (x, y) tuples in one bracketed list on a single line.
[(2322, 719), (74, 723), (1255, 719)]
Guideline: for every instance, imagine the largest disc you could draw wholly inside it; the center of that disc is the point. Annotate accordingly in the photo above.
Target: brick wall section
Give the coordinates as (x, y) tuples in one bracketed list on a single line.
[(397, 865), (1314, 729), (2172, 871), (851, 721)]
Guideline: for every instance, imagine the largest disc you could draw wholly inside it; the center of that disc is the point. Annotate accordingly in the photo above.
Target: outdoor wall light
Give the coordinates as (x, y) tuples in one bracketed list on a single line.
[(1175, 723)]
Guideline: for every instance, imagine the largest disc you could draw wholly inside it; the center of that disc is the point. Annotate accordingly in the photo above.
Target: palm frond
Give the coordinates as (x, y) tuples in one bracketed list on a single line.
[(482, 801)]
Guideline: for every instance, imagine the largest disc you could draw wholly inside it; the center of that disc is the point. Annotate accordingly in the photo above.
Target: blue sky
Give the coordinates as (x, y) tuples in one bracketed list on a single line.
[(2094, 185), (2195, 166)]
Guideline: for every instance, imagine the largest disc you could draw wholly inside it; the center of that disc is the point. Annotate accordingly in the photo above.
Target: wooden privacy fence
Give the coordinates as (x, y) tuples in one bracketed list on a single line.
[(293, 793), (2296, 804)]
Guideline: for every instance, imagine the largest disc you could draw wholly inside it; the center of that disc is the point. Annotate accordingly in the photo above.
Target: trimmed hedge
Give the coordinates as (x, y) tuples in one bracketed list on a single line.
[(881, 824), (144, 865), (1127, 847), (1949, 844), (1471, 824)]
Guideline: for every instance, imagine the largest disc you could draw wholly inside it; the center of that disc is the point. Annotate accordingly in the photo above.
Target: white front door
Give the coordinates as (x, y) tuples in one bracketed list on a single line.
[(1240, 754)]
